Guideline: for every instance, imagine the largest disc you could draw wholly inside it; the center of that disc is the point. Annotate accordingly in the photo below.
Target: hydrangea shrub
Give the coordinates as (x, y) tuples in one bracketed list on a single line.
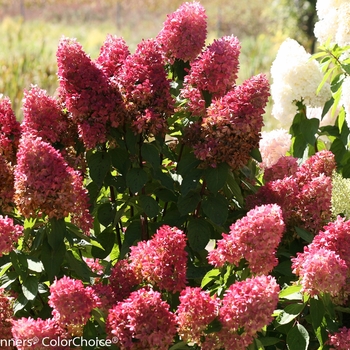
[(144, 207)]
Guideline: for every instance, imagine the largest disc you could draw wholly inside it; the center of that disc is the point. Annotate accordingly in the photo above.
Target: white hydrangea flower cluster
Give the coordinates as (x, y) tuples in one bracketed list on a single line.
[(273, 145), (295, 78), (333, 21)]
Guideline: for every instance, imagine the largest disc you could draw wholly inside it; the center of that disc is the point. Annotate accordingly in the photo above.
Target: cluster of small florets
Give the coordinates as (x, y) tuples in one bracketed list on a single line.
[(247, 306), (295, 78), (305, 196), (340, 340), (72, 304), (162, 260), (142, 321), (6, 317), (273, 145), (7, 185), (87, 93), (10, 131), (232, 125), (43, 117), (30, 333), (285, 167), (214, 72), (123, 279), (9, 234), (254, 238), (113, 54), (196, 311), (146, 89), (45, 182), (184, 33), (324, 264)]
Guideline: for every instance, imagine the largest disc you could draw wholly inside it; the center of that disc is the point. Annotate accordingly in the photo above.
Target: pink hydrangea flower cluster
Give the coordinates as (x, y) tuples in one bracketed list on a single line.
[(43, 117), (305, 196), (146, 89), (9, 234), (273, 145), (196, 310), (321, 271), (214, 72), (123, 279), (162, 261), (45, 182), (10, 131), (284, 167), (324, 266), (231, 128), (6, 316), (34, 331), (247, 307), (7, 185), (340, 340), (72, 304), (254, 238), (87, 93), (113, 54), (184, 33), (142, 321)]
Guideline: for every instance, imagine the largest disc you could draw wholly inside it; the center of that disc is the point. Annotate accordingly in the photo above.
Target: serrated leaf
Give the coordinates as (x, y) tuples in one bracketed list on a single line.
[(30, 287), (289, 313), (305, 235), (105, 214), (216, 208), (210, 276), (187, 204), (136, 178), (99, 164), (216, 177), (198, 234), (298, 338), (150, 153), (149, 205)]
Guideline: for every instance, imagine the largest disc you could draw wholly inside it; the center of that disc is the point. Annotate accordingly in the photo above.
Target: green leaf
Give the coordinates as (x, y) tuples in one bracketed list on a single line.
[(106, 213), (267, 341), (52, 259), (210, 276), (77, 265), (35, 265), (299, 145), (187, 204), (317, 311), (255, 153), (30, 287), (290, 291), (216, 208), (198, 234), (309, 129), (190, 181), (136, 178), (187, 163), (235, 188), (99, 165), (165, 195), (214, 326), (305, 235), (216, 177), (164, 178), (150, 153), (56, 231), (20, 263), (149, 205), (132, 234), (290, 312), (119, 159), (298, 338), (180, 346), (106, 238)]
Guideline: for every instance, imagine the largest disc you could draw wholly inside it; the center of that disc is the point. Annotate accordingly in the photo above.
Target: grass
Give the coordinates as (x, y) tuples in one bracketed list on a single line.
[(28, 54)]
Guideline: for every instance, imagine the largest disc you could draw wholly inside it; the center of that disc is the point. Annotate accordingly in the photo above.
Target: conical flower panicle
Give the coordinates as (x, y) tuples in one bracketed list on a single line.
[(184, 33), (231, 128), (214, 72), (146, 90), (44, 182), (43, 117), (10, 131), (113, 54), (88, 94)]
